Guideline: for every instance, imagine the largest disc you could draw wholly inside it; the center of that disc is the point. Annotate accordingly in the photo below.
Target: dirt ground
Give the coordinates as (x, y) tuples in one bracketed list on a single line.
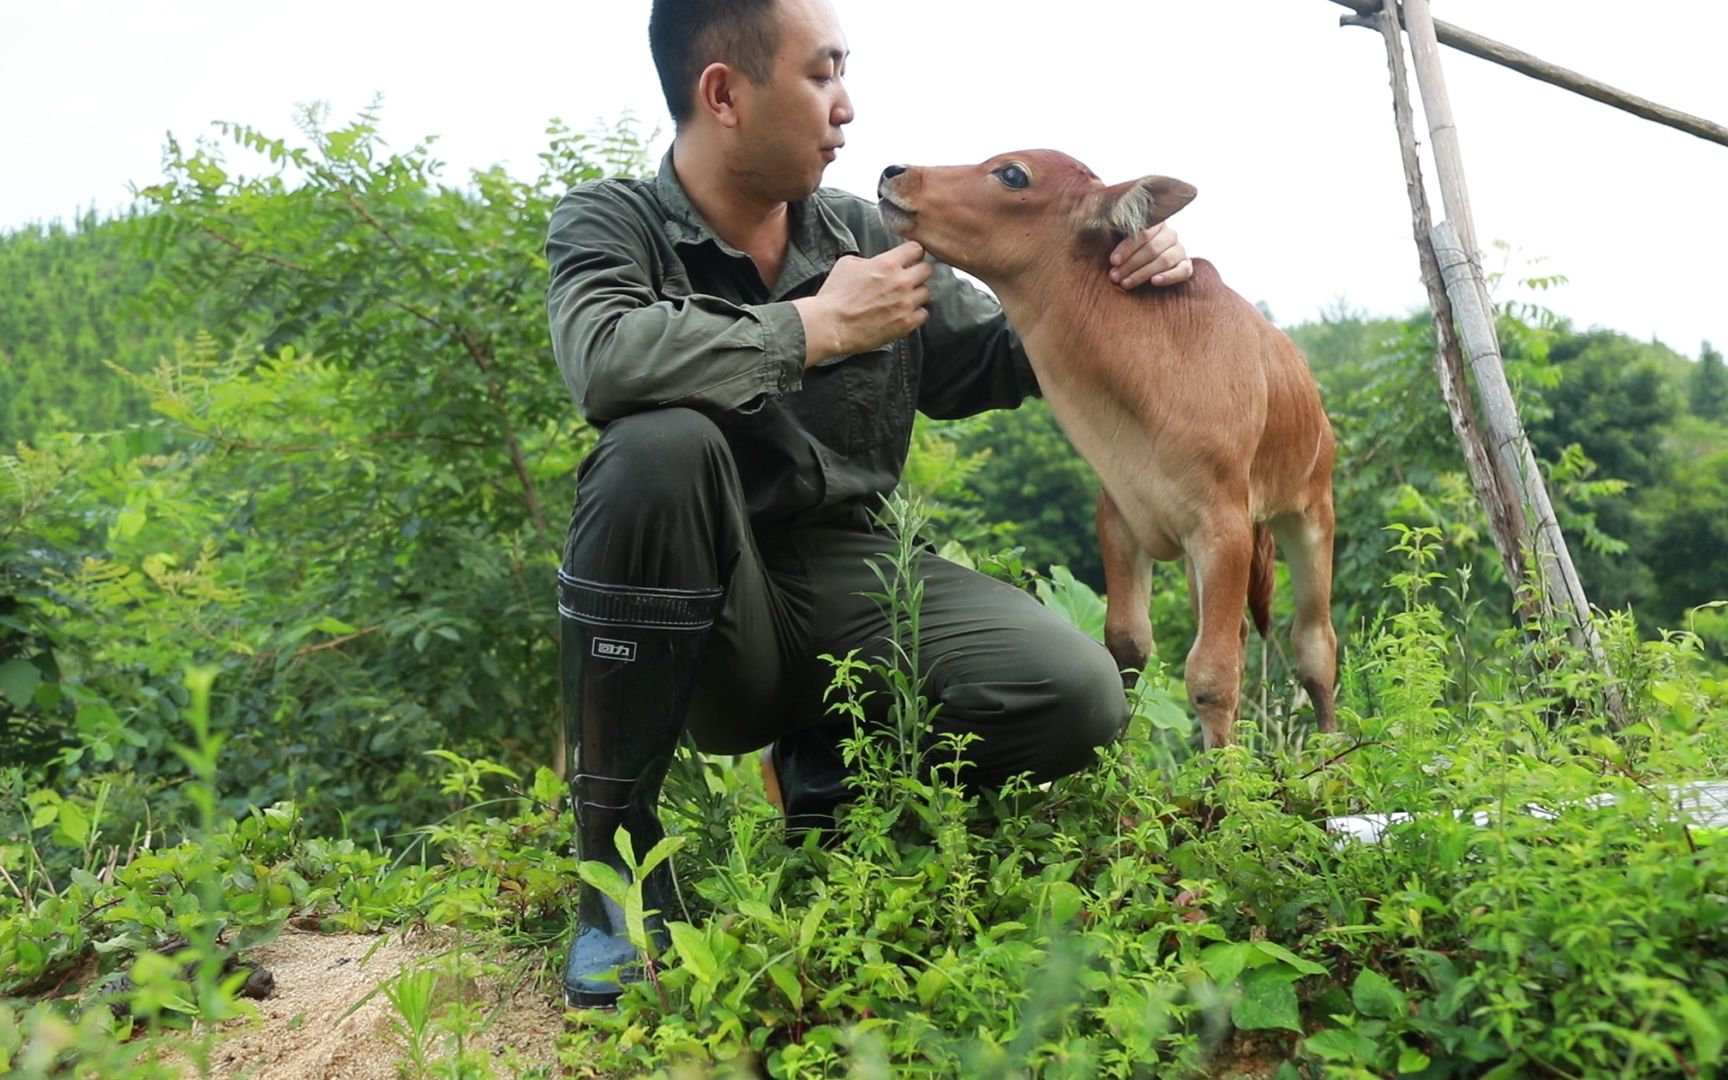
[(310, 1029), (328, 1018)]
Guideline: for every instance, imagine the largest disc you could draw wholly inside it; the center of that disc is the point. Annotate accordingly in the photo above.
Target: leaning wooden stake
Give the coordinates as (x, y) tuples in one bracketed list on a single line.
[(1455, 248), (1493, 490), (1562, 592), (1442, 131)]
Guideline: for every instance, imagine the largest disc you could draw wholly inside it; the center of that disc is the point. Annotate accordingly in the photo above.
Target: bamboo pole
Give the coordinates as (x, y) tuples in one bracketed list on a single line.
[(1454, 248), (1442, 131), (1471, 304), (1505, 513), (1524, 63), (1561, 587)]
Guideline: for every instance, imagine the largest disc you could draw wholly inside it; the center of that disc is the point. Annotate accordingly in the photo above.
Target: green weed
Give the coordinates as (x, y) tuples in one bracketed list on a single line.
[(1163, 913), (1545, 907)]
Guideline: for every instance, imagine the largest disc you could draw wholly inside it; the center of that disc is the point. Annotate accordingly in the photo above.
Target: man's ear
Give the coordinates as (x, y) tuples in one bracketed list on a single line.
[(1140, 204), (715, 94)]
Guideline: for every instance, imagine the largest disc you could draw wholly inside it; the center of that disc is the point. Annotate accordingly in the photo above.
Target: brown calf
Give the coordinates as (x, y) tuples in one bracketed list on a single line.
[(1201, 419)]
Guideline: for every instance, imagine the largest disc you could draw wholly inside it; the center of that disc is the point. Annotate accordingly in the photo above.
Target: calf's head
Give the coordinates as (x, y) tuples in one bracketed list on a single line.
[(1016, 211)]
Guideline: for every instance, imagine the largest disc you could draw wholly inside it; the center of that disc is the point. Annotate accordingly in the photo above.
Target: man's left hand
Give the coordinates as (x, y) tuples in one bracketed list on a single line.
[(1153, 255)]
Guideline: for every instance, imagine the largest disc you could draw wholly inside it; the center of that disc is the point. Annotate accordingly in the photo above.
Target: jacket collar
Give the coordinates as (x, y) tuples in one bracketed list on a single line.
[(819, 237)]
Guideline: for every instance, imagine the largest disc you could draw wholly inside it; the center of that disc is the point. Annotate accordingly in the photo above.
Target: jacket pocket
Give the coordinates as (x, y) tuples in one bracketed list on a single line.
[(853, 403), (878, 398)]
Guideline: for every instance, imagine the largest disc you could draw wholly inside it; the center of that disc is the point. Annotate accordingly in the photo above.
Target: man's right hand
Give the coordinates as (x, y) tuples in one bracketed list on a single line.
[(866, 303)]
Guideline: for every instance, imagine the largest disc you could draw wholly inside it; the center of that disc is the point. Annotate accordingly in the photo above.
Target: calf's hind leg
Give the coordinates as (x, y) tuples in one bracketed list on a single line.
[(1306, 540), (1219, 561), (1128, 586)]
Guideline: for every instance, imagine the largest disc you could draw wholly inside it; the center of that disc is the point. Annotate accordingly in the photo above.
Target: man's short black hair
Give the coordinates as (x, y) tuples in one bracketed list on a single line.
[(686, 36)]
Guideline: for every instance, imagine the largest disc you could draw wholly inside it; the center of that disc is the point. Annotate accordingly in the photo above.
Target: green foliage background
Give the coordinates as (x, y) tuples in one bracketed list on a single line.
[(293, 426)]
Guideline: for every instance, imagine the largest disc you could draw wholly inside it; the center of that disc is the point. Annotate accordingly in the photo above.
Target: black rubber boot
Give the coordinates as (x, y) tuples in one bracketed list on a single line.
[(628, 667), (812, 778)]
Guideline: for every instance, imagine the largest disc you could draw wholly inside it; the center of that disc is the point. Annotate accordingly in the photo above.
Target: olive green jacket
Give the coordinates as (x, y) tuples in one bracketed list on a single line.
[(650, 309)]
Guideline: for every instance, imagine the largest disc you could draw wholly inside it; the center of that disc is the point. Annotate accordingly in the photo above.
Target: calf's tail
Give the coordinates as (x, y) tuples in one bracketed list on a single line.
[(1260, 581)]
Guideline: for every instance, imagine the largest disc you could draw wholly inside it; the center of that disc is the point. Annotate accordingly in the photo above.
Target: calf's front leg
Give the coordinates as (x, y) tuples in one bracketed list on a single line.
[(1128, 591)]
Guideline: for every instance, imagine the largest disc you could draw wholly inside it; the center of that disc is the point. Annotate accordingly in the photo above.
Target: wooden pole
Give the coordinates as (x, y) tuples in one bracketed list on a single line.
[(1495, 492), (1455, 248), (1524, 63), (1562, 590), (1442, 131)]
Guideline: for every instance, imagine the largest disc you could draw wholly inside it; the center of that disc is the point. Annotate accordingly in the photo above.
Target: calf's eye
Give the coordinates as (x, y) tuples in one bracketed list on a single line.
[(1014, 176)]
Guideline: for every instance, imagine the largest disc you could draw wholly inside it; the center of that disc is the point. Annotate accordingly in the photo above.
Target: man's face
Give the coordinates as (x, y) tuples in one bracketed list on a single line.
[(790, 126)]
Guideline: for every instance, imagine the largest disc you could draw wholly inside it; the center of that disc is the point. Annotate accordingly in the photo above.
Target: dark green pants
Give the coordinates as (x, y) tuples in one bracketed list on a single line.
[(660, 505)]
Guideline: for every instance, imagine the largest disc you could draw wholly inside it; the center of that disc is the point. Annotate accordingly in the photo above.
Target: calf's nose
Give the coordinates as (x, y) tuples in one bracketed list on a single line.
[(892, 171)]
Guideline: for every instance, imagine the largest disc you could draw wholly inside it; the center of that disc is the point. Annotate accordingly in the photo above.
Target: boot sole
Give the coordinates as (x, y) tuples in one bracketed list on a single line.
[(581, 999)]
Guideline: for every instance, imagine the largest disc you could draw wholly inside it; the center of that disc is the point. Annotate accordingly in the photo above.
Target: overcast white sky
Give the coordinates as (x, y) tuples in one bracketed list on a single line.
[(1280, 118)]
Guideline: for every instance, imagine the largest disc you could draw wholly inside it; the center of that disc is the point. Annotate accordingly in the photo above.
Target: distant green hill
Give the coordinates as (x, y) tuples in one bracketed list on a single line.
[(70, 303)]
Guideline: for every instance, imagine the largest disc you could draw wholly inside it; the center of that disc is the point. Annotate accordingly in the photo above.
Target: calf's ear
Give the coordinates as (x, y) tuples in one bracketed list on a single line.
[(1139, 204)]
